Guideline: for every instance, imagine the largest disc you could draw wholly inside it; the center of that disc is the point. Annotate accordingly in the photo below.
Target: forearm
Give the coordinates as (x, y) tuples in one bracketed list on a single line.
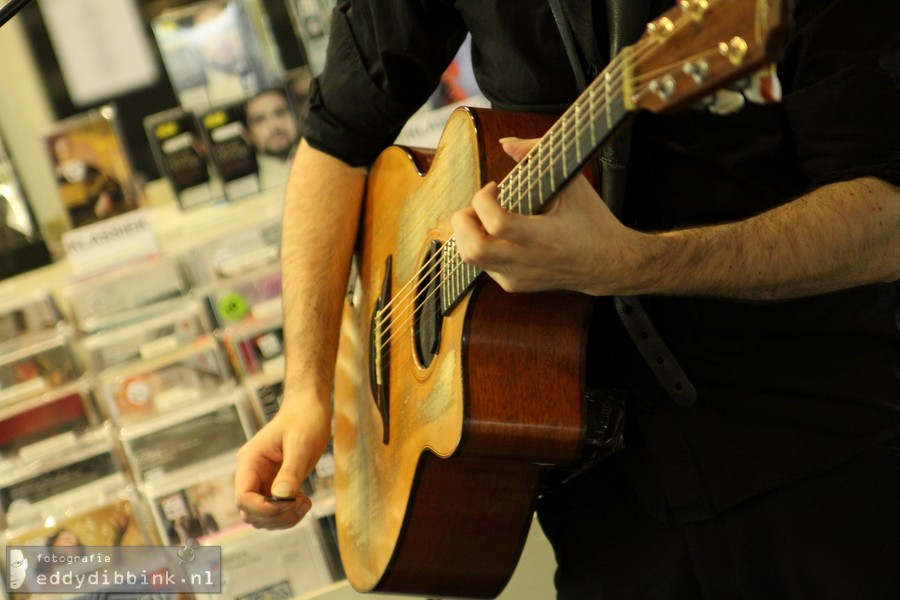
[(839, 236), (321, 214)]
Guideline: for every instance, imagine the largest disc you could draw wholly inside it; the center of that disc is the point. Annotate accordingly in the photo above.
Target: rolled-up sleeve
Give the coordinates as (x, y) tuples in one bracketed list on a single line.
[(384, 59)]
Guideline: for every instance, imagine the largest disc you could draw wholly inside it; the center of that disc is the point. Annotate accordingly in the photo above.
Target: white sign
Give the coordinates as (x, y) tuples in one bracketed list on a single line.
[(114, 241)]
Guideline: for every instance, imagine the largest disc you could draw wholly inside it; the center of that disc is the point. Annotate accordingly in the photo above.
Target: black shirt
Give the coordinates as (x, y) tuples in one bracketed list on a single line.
[(785, 388)]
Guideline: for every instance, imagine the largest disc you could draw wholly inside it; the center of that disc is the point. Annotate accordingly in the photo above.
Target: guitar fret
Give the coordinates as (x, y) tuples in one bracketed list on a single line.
[(577, 132), (609, 121)]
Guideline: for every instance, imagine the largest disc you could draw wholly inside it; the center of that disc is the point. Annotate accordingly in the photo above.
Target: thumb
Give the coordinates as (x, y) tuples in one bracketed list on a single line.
[(517, 148), (287, 482)]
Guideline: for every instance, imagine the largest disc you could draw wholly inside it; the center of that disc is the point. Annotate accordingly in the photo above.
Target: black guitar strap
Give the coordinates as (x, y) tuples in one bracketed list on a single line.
[(626, 20)]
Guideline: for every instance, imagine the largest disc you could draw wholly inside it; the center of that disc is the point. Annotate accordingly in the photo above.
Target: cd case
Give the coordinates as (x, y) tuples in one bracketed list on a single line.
[(35, 363), (92, 167), (140, 390), (171, 442), (28, 484), (232, 255), (255, 346), (261, 565), (195, 502), (265, 391), (156, 334), (110, 522), (256, 295), (27, 313), (96, 301), (44, 421)]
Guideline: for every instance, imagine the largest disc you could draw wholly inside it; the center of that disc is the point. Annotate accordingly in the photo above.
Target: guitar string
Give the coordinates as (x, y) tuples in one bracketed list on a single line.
[(597, 103), (401, 305), (399, 302), (614, 73)]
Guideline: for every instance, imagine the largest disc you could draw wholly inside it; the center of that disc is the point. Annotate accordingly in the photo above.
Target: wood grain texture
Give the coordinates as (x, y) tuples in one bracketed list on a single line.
[(445, 506)]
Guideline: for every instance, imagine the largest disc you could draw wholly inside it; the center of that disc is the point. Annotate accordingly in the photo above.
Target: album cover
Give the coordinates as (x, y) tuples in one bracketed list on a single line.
[(236, 253), (158, 334), (256, 295), (256, 345), (217, 51), (112, 524), (194, 503), (34, 363), (65, 411), (170, 442), (92, 168), (22, 313), (272, 130), (145, 388), (21, 245), (182, 157), (100, 297)]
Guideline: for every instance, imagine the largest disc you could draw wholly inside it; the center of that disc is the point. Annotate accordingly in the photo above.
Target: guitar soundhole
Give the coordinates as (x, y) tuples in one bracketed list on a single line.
[(427, 322)]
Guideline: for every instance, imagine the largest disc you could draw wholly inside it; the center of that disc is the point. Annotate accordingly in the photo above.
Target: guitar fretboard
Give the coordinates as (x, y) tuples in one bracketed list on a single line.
[(560, 155)]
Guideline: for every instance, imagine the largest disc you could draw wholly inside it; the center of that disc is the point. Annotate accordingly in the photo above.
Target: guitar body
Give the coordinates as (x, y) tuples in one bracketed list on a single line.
[(436, 479)]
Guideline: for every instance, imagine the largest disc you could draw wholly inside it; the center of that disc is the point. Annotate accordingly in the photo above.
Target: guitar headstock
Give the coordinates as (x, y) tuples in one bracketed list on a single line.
[(700, 46)]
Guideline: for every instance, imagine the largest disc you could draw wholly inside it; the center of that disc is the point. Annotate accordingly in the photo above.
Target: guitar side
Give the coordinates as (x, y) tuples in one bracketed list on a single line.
[(444, 505)]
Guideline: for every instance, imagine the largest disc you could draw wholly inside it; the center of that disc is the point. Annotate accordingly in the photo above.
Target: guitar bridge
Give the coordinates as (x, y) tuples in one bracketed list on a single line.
[(379, 351)]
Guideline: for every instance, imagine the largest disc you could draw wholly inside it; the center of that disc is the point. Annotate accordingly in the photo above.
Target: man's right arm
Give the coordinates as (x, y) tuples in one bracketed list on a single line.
[(321, 214)]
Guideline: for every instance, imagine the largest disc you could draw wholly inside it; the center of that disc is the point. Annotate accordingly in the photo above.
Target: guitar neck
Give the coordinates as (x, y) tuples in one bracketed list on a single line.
[(558, 157), (688, 52)]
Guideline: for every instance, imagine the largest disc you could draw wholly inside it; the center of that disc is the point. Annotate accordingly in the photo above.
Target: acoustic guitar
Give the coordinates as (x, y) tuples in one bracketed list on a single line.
[(452, 396)]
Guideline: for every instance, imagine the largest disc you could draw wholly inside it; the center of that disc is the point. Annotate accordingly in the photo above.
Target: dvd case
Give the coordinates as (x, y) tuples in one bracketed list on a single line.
[(217, 51), (95, 301), (142, 389), (153, 333), (234, 254), (182, 157), (92, 167), (233, 158), (170, 442)]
